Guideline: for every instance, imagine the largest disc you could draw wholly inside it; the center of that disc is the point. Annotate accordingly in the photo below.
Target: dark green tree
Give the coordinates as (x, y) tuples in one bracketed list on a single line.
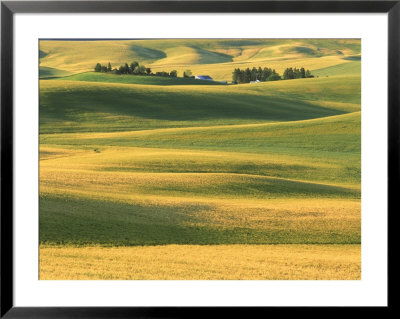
[(303, 73), (97, 68), (127, 70), (274, 77), (259, 73), (133, 66), (253, 76), (247, 76), (162, 73), (296, 73), (266, 72), (122, 69), (236, 76)]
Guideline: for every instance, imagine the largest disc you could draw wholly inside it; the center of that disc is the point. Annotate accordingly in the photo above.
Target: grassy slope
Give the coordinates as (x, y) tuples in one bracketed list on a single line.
[(191, 55), (213, 184), (136, 79), (67, 106), (139, 164), (328, 139), (83, 55), (46, 72), (147, 196), (83, 219), (349, 68)]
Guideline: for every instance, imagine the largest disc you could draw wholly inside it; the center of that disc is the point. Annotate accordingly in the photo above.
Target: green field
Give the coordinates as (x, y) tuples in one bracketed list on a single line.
[(138, 163), (46, 72), (350, 68), (132, 79)]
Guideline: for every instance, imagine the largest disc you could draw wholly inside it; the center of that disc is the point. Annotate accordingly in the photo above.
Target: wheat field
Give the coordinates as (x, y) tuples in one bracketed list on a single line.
[(194, 262), (151, 178)]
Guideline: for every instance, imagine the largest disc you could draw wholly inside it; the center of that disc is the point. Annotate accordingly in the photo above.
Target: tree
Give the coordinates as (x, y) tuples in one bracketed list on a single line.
[(97, 68), (291, 73), (133, 65), (127, 69), (162, 73), (122, 69), (236, 76), (308, 74), (296, 73), (109, 67), (173, 74), (274, 77), (253, 76), (259, 73), (187, 74), (141, 69), (288, 74), (148, 71), (303, 72), (247, 76), (266, 72), (285, 74)]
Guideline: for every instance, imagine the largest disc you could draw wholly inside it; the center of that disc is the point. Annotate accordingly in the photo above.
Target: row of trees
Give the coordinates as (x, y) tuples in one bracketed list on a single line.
[(249, 75), (133, 68), (102, 68), (172, 74), (295, 73)]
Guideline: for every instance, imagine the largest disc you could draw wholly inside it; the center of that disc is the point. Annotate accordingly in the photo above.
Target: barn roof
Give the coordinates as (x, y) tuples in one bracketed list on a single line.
[(203, 77)]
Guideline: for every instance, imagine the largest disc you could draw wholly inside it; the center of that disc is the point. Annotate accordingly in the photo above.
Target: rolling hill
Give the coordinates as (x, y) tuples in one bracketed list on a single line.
[(145, 177), (67, 106), (199, 55)]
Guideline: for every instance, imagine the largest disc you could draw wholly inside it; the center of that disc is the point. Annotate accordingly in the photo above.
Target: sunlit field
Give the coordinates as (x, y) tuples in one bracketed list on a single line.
[(217, 262), (150, 177)]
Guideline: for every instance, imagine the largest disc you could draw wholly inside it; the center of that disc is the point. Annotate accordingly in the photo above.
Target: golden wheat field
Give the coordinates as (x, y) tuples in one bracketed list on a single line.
[(194, 262), (150, 177)]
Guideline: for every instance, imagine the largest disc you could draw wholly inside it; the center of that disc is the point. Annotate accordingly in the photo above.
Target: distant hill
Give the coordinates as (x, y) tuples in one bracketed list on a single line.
[(214, 57)]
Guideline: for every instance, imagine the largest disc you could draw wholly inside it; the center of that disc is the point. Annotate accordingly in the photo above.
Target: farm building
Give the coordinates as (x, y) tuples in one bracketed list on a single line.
[(203, 77)]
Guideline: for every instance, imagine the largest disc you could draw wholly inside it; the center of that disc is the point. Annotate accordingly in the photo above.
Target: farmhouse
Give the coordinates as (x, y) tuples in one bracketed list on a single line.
[(256, 81), (203, 77)]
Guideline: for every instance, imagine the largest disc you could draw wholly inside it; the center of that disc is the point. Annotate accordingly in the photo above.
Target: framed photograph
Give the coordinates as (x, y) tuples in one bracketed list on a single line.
[(165, 159)]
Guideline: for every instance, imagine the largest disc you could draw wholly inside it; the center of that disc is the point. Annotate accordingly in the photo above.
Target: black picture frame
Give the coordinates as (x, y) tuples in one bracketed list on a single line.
[(9, 8)]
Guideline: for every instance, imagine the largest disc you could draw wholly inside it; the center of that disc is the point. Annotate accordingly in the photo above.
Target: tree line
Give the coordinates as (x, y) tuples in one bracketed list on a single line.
[(133, 68), (266, 74), (247, 75), (295, 73)]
